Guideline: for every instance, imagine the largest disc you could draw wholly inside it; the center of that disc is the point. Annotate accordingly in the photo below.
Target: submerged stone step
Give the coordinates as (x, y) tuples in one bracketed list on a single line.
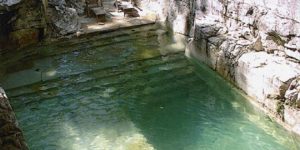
[(95, 43), (104, 77), (98, 73), (69, 64), (50, 49), (112, 90), (103, 83), (157, 87)]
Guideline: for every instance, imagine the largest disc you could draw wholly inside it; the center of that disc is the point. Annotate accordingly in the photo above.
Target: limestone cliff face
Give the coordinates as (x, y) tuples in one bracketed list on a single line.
[(253, 44), (178, 14), (256, 46)]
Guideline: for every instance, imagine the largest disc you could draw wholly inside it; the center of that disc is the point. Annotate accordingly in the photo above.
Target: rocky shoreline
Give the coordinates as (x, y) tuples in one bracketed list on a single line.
[(11, 136)]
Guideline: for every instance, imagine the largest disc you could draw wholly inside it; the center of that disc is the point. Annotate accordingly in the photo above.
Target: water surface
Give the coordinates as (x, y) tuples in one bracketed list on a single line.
[(135, 94)]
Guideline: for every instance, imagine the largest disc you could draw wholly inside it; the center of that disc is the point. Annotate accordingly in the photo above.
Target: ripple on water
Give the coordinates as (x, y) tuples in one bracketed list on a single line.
[(128, 97)]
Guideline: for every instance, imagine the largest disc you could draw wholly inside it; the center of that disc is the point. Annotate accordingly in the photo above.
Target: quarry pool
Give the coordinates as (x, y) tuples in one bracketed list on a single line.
[(139, 93)]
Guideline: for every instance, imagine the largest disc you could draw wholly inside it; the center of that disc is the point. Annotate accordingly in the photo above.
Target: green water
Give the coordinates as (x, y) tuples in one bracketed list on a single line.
[(139, 94)]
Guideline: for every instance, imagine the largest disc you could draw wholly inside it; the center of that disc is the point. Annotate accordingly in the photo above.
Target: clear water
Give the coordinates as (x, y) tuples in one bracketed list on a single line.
[(140, 94)]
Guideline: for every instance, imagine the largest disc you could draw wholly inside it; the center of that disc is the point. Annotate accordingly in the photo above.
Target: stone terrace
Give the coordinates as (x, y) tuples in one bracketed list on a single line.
[(114, 20)]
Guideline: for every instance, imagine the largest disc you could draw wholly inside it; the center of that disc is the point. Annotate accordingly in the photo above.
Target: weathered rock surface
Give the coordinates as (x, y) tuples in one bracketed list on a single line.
[(26, 22), (178, 13), (292, 118), (76, 4), (64, 15), (255, 45), (17, 19), (9, 2), (57, 2), (292, 94), (65, 19), (11, 137)]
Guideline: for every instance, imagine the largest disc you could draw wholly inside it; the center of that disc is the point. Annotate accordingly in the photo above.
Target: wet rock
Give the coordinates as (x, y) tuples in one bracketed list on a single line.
[(24, 37), (11, 136)]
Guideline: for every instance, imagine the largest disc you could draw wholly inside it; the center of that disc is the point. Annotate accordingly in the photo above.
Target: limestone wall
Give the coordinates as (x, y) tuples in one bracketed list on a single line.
[(178, 14), (11, 137), (256, 46)]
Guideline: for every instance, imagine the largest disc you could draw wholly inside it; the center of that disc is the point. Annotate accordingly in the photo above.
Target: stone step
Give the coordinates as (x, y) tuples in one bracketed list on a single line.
[(108, 56), (100, 84), (94, 73), (91, 44), (81, 43), (104, 87), (159, 87), (116, 36), (101, 73)]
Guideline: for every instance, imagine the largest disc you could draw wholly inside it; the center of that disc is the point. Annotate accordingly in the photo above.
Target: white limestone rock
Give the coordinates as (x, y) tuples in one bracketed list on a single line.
[(262, 75), (9, 2), (259, 50), (65, 20), (292, 118), (293, 53), (293, 93), (292, 48)]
